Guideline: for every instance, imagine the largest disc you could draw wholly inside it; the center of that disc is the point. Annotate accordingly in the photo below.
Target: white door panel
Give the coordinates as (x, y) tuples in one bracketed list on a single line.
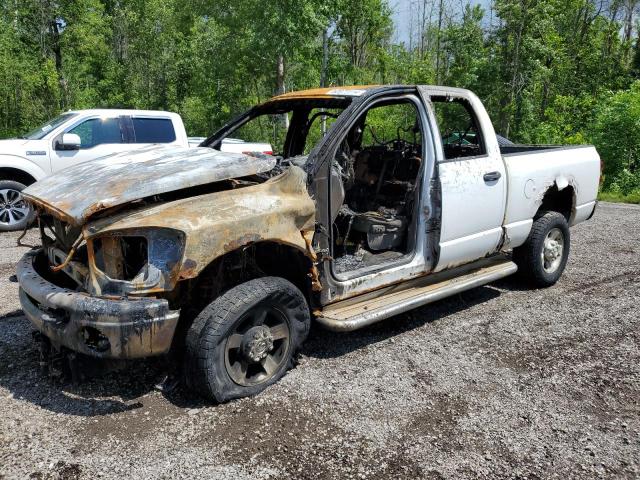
[(99, 136), (472, 208), (67, 158), (467, 249)]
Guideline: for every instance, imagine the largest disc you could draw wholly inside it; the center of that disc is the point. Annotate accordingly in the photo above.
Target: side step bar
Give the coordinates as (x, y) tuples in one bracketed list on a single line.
[(364, 310)]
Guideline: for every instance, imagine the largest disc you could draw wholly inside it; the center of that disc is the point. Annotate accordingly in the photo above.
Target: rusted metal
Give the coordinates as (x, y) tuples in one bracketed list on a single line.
[(77, 194), (113, 316), (112, 257), (314, 273), (217, 223), (101, 327), (330, 92), (57, 268)]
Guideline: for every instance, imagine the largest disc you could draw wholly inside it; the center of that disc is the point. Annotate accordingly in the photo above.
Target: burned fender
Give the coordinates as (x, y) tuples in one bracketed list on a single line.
[(278, 210)]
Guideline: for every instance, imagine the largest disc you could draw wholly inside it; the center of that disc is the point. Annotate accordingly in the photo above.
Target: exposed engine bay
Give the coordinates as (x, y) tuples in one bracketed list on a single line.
[(379, 178)]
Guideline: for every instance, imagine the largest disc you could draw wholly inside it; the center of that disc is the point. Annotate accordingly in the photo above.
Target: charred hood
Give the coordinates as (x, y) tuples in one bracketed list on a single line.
[(78, 192)]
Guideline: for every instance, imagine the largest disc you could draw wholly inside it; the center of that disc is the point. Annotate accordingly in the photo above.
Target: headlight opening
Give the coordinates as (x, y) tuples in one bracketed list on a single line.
[(136, 261), (121, 257)]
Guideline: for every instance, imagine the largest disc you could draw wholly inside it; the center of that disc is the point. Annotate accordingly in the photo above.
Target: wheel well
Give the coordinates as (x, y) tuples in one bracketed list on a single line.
[(561, 201), (16, 175), (256, 260)]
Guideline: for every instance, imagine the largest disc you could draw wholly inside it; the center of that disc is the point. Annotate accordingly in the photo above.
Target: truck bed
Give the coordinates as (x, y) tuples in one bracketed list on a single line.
[(515, 149), (534, 169)]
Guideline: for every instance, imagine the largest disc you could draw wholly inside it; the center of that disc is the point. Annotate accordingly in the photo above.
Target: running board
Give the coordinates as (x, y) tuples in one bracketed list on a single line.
[(364, 310)]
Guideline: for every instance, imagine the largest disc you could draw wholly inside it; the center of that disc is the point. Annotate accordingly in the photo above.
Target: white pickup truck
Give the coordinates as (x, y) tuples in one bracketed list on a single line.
[(78, 136), (379, 200)]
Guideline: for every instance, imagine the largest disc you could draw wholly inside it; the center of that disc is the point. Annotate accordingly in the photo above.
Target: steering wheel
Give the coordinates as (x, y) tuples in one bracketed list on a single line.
[(464, 134)]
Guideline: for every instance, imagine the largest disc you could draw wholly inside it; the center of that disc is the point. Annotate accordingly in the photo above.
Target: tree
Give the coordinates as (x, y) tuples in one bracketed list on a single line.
[(365, 28)]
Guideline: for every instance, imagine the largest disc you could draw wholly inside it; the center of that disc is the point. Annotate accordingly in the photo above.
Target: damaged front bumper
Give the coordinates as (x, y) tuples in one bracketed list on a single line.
[(100, 327)]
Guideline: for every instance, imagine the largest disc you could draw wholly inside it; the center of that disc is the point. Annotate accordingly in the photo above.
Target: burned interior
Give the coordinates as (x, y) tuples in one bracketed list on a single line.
[(379, 161)]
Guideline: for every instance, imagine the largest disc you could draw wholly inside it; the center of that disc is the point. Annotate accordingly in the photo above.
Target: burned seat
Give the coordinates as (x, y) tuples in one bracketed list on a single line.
[(383, 230)]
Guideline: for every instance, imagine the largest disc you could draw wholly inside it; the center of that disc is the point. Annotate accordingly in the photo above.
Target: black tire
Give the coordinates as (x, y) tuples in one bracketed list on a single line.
[(530, 257), (14, 219), (210, 360)]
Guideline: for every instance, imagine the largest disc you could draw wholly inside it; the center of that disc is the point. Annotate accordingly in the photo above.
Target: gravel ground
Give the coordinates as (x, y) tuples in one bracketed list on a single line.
[(497, 382)]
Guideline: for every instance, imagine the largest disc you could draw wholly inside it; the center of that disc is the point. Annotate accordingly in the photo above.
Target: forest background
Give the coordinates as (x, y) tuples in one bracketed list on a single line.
[(549, 71)]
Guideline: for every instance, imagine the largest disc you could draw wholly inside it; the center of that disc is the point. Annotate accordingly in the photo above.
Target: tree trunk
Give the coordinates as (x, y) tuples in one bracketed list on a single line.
[(280, 88), (515, 87), (440, 14), (54, 30), (325, 57), (323, 71), (628, 19)]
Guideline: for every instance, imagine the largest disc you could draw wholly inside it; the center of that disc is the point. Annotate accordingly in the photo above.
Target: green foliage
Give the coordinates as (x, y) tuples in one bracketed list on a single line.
[(606, 196), (625, 182), (390, 122), (466, 51), (365, 28), (549, 71), (616, 133), (565, 121)]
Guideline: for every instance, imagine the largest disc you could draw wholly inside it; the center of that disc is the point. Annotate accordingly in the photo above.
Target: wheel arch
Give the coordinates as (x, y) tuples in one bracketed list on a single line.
[(560, 198), (17, 175), (266, 258), (20, 169)]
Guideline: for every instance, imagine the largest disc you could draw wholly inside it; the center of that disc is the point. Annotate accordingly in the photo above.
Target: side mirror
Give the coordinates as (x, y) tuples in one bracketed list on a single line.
[(70, 141)]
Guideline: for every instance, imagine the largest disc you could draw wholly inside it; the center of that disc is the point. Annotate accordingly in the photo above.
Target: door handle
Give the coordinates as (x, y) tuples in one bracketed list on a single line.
[(492, 177)]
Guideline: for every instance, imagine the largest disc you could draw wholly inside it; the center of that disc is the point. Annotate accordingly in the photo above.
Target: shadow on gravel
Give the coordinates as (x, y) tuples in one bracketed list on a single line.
[(115, 387), (513, 284), (325, 344), (13, 314), (109, 387)]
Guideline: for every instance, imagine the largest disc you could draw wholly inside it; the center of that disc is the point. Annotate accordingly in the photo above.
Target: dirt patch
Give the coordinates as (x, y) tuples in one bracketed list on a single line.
[(60, 471)]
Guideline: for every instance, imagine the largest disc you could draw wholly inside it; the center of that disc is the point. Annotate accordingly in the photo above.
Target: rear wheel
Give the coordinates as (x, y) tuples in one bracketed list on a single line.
[(543, 257), (15, 212), (246, 339)]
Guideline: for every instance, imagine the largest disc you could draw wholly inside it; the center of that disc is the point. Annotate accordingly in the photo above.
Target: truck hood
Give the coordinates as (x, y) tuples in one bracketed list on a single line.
[(78, 192)]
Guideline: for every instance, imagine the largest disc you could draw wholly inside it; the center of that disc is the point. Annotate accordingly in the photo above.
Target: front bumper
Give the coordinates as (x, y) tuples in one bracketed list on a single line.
[(100, 327)]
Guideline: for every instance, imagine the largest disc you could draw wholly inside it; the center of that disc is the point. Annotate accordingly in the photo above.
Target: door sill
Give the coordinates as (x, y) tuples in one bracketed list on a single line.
[(367, 309)]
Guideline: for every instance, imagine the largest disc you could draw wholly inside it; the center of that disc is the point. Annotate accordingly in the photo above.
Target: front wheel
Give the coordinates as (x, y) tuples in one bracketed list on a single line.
[(15, 212), (543, 257), (246, 339)]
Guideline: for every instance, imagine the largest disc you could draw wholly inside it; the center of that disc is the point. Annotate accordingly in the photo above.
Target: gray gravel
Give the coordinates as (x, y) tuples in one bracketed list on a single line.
[(497, 382)]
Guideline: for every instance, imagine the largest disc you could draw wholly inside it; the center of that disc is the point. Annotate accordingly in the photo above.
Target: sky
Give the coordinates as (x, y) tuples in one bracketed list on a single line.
[(406, 10)]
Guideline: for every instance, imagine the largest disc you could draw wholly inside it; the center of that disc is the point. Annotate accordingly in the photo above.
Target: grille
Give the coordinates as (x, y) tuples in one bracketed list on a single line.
[(57, 233)]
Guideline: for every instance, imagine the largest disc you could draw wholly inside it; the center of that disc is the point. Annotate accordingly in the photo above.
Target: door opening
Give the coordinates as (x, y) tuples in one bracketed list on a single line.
[(374, 187)]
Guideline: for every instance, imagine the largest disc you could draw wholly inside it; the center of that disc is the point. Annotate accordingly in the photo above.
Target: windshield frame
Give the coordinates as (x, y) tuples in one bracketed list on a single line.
[(48, 127), (276, 107)]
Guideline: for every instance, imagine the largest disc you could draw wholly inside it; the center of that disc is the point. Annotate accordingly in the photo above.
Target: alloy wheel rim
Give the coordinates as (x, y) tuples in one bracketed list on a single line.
[(258, 346), (13, 207), (552, 250)]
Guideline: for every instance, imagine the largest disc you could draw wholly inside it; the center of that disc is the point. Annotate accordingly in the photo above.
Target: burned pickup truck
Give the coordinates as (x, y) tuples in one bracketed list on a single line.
[(376, 200)]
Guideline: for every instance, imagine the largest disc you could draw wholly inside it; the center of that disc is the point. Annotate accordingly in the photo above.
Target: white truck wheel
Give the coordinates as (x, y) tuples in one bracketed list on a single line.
[(15, 212)]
